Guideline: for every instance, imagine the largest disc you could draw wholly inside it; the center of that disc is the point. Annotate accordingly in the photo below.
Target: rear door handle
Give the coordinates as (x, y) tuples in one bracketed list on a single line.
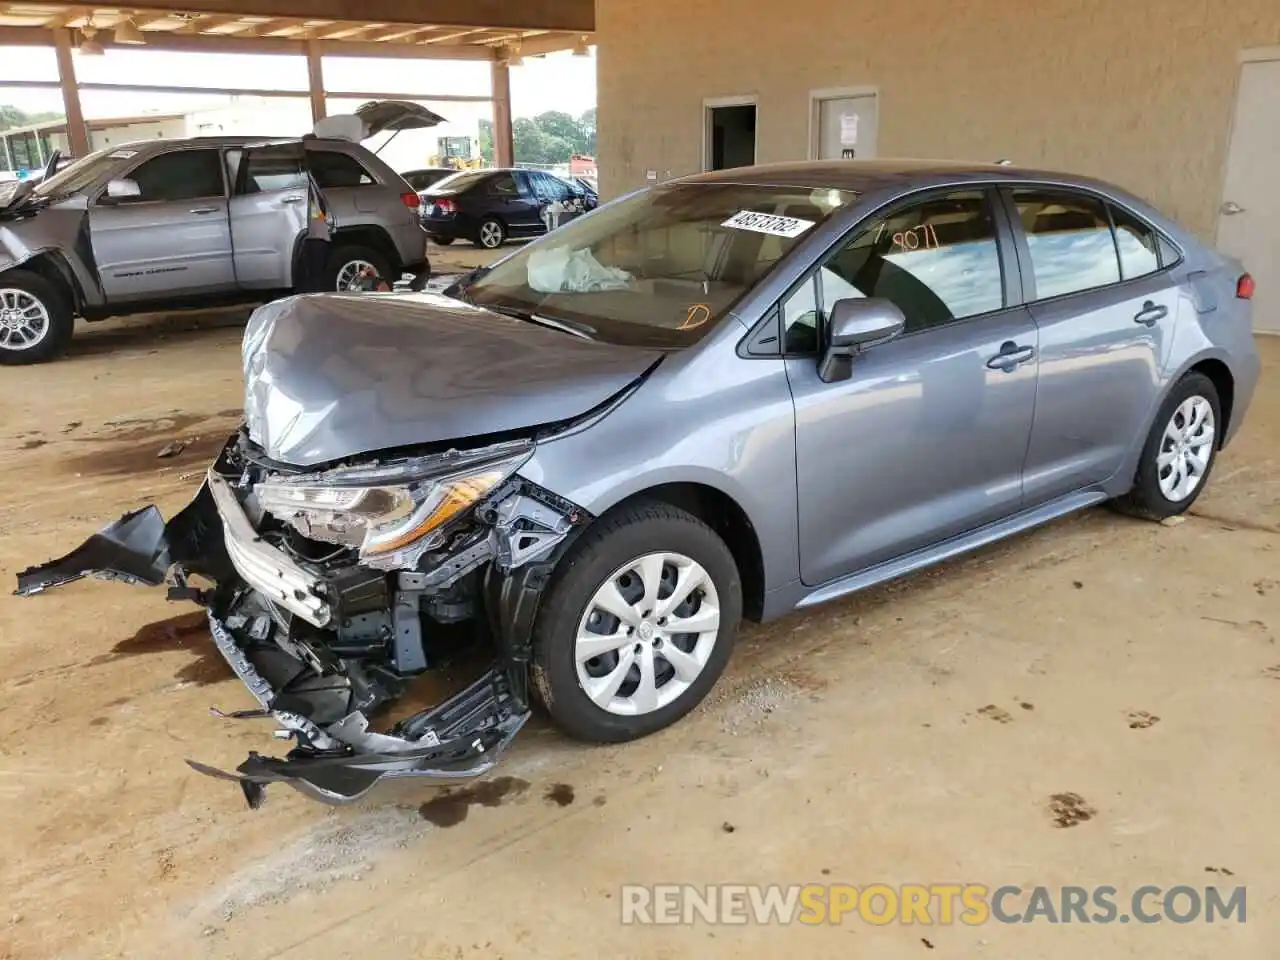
[(1150, 313), (291, 199), (202, 210), (1010, 356)]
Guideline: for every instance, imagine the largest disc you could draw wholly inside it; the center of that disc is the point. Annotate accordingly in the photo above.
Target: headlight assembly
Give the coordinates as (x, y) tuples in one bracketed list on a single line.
[(391, 513)]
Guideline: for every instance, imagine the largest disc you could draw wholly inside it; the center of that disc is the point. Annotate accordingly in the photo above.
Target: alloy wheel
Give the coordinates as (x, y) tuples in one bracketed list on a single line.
[(490, 234), (1185, 449), (349, 275), (647, 633), (24, 320)]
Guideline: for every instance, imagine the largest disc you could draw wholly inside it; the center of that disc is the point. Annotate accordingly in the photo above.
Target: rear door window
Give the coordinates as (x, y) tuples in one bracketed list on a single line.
[(268, 170), (503, 185), (180, 175), (1136, 243), (332, 169), (1069, 236)]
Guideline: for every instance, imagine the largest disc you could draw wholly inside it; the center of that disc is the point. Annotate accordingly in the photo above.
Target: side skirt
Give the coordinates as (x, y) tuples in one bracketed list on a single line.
[(909, 563)]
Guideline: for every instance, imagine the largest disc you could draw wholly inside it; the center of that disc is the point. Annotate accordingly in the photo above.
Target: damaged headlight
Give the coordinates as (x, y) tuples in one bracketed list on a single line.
[(391, 513)]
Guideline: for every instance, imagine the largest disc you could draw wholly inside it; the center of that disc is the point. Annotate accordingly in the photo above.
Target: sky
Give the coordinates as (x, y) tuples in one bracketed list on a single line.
[(558, 81)]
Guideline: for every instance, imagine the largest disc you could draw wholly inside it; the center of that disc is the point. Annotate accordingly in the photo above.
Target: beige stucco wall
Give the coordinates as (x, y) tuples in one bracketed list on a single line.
[(1140, 92)]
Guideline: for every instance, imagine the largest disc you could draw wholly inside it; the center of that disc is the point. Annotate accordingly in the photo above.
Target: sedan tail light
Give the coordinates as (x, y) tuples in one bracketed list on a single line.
[(1245, 286), (446, 206), (411, 199)]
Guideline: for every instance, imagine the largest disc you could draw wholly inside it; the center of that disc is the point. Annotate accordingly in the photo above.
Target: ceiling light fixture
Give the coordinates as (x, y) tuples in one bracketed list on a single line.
[(126, 31)]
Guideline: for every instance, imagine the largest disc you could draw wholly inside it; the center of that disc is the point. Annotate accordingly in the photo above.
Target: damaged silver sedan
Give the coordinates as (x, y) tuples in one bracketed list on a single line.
[(736, 394)]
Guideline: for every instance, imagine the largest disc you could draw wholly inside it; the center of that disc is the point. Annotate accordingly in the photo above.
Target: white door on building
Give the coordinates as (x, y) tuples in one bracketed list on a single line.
[(1249, 219), (846, 127)]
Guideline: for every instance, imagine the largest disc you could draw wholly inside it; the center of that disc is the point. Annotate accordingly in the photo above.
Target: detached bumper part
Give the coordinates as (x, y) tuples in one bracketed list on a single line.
[(132, 549), (460, 739)]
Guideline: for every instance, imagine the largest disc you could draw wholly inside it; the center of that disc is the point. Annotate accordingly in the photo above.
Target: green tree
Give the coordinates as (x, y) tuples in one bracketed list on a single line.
[(557, 123), (11, 116), (486, 140)]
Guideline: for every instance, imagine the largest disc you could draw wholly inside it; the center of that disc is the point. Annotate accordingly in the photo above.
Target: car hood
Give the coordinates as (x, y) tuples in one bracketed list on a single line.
[(331, 376)]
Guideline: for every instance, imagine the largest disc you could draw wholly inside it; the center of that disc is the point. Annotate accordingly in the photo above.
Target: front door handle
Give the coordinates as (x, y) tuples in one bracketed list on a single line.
[(1010, 356), (1150, 313), (292, 199), (203, 210)]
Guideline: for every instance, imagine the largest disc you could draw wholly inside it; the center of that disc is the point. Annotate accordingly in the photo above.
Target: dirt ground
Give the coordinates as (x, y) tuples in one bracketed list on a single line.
[(913, 734)]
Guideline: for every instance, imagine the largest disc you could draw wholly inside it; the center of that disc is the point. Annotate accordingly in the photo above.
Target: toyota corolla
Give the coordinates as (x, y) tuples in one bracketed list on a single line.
[(731, 395)]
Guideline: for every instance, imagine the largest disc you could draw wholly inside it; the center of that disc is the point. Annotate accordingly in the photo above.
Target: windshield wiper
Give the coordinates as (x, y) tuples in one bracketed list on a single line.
[(571, 327)]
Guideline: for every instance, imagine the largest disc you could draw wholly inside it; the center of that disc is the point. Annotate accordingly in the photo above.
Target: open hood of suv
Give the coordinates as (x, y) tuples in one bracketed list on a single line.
[(329, 377)]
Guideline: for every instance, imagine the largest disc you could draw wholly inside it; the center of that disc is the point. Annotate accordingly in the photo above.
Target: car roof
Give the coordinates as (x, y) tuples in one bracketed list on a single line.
[(864, 176), (228, 140)]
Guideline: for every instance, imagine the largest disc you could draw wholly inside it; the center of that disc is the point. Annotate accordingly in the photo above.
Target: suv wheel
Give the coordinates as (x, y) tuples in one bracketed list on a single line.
[(1179, 452), (491, 233), (638, 624), (347, 262), (36, 320)]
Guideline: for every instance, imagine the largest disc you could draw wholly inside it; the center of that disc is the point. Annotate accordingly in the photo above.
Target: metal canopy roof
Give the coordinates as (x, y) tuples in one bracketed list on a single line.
[(443, 29)]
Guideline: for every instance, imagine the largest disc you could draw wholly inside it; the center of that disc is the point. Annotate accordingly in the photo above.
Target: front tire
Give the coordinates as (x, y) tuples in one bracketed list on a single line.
[(36, 318), (1179, 453), (638, 624)]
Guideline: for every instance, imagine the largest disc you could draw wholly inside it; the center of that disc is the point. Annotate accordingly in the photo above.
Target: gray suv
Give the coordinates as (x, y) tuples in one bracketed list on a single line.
[(170, 223)]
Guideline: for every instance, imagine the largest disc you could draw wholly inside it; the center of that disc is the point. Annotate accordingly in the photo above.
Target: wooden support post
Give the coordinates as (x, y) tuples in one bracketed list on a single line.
[(504, 150), (77, 132), (315, 80)]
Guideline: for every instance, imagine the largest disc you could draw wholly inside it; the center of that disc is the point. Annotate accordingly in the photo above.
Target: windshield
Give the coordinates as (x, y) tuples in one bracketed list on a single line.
[(659, 267), (79, 175)]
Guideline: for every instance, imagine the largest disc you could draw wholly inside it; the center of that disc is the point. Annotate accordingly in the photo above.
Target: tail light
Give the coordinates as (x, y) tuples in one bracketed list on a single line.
[(1245, 287), (410, 199), (447, 206)]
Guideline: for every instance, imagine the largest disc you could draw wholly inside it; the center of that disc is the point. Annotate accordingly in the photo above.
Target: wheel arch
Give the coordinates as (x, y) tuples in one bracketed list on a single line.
[(723, 514), (372, 236), (53, 266), (1213, 364)]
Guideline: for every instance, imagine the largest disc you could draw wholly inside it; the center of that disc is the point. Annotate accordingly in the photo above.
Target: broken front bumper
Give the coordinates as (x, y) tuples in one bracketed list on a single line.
[(460, 739), (337, 762)]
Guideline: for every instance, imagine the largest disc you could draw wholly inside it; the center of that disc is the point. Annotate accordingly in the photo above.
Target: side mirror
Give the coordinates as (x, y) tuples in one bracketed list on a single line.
[(856, 325), (123, 189)]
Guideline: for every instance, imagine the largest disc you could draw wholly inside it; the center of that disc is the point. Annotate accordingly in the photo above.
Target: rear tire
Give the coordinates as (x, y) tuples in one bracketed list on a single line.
[(442, 241), (346, 258), (491, 234), (36, 318), (681, 551), (1179, 453)]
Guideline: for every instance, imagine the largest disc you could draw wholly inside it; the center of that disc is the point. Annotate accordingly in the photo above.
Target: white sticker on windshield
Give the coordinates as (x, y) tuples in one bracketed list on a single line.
[(124, 155), (769, 223)]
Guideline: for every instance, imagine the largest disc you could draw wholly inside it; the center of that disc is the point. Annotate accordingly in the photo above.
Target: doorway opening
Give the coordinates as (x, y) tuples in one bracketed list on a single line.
[(731, 136)]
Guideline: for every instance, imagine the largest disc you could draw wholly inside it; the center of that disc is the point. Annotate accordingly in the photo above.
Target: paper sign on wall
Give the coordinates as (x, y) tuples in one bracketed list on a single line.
[(769, 223), (848, 129)]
